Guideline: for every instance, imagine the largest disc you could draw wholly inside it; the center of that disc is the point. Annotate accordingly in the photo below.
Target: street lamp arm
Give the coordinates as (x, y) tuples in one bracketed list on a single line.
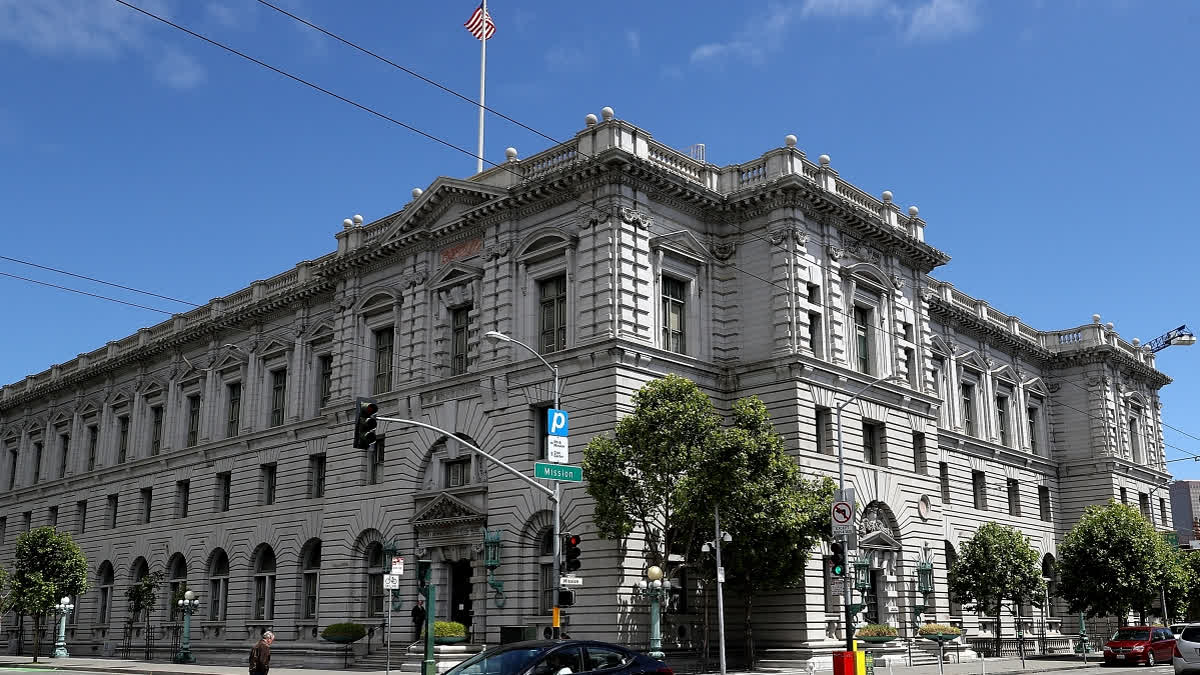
[(862, 389), (497, 335), (550, 493)]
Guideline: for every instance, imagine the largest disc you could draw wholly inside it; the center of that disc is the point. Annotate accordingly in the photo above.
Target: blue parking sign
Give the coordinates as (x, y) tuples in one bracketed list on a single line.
[(556, 422)]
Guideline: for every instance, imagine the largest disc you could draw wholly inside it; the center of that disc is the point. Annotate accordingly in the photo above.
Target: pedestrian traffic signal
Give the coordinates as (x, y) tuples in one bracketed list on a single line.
[(566, 598), (365, 410), (837, 561), (570, 551)]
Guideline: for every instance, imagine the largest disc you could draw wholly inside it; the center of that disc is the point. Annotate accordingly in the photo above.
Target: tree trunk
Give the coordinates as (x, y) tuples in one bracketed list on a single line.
[(999, 617), (749, 629), (37, 636)]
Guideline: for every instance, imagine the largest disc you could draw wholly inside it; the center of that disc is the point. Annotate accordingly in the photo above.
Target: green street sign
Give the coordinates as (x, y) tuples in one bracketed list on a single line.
[(548, 471)]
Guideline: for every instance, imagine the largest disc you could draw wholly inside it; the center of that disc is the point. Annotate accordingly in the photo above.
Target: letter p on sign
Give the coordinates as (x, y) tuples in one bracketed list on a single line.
[(556, 422)]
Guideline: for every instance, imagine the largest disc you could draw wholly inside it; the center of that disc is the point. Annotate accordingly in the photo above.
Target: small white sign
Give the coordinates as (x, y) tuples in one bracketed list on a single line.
[(570, 581), (841, 514), (721, 574), (556, 449), (837, 587), (391, 582), (398, 565)]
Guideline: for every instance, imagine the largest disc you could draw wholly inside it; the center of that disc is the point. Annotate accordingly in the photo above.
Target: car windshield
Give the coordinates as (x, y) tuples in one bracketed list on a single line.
[(511, 661), (1132, 634)]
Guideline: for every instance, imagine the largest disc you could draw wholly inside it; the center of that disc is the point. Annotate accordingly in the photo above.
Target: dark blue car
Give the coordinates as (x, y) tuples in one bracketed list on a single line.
[(560, 657)]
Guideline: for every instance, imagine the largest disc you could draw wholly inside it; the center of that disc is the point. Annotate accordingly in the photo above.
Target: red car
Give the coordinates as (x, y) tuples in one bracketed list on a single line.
[(1140, 644)]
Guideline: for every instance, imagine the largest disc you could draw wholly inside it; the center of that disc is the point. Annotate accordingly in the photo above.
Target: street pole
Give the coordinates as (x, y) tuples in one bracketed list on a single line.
[(429, 665), (720, 594), (387, 664)]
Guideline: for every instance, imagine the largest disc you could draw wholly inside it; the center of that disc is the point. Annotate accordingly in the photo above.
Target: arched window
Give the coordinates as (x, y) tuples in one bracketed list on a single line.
[(1135, 440), (1051, 577), (311, 569), (177, 581), (140, 570), (105, 583), (951, 559), (375, 579), (264, 584), (546, 571), (218, 585)]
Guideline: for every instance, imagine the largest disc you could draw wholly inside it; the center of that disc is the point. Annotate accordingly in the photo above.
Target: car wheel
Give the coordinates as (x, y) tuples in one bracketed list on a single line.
[(1150, 658)]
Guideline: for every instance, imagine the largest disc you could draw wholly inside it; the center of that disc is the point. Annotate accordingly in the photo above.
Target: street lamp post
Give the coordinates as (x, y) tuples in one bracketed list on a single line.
[(656, 589), (718, 538), (556, 621), (842, 487), (63, 608), (189, 605)]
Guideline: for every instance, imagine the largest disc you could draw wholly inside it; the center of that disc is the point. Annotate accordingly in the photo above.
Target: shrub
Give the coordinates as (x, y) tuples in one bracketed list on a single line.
[(935, 628), (876, 630), (447, 629), (344, 632)]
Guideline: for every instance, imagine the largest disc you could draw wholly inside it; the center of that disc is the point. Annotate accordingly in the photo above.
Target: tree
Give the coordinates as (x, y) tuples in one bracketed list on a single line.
[(48, 565), (1191, 560), (1110, 562), (995, 566), (773, 513), (1178, 580), (142, 597)]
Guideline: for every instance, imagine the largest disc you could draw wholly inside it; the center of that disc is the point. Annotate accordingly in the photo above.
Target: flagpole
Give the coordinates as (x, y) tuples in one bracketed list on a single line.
[(482, 81)]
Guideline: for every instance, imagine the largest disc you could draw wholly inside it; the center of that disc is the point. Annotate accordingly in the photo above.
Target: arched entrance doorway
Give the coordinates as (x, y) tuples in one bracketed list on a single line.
[(461, 609), (879, 550)]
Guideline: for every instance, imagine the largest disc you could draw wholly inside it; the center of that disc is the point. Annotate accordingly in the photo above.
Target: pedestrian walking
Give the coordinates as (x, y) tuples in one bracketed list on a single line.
[(418, 618), (260, 655)]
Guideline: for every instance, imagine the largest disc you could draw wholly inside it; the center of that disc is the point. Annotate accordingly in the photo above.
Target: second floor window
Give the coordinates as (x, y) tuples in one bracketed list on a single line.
[(1044, 503), (325, 364), (316, 476), (64, 457), (268, 483), (862, 339), (193, 428), (1002, 418), (944, 480), (37, 462), (112, 511), (458, 473), (460, 323), (156, 428), (674, 315), (183, 493), (872, 453), (968, 409), (147, 501), (979, 486), (1014, 497), (384, 351), (224, 490), (93, 445), (278, 396), (233, 418), (1032, 415), (12, 468), (552, 314), (123, 439)]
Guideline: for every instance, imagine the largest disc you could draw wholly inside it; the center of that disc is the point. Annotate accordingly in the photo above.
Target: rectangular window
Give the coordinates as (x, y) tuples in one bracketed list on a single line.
[(968, 409), (552, 314), (674, 315), (871, 440), (278, 396), (28, 518), (825, 431), (325, 364), (814, 294), (1044, 503), (122, 439), (460, 324), (310, 593), (1124, 496), (37, 462), (12, 468), (268, 483), (1014, 497), (1032, 415), (53, 516), (1144, 506), (64, 456), (147, 499), (183, 495), (540, 431), (385, 340), (814, 334), (862, 338), (375, 456), (458, 473), (156, 429), (1002, 419), (547, 585), (193, 428), (93, 444), (3, 528), (112, 511), (944, 479), (920, 458), (81, 515), (910, 367), (233, 417), (224, 490), (1162, 511), (979, 486), (316, 476)]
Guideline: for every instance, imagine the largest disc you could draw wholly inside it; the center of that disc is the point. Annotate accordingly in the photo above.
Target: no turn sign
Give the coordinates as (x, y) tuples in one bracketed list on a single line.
[(841, 514)]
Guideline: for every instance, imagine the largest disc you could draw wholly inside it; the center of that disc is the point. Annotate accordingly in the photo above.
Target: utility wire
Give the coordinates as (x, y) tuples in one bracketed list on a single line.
[(101, 281)]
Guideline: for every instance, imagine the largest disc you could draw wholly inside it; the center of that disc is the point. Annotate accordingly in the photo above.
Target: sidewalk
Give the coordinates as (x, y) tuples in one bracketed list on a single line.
[(1001, 666)]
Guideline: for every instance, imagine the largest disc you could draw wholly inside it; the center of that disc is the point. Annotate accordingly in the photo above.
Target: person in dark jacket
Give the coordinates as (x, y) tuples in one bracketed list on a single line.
[(418, 618), (260, 655)]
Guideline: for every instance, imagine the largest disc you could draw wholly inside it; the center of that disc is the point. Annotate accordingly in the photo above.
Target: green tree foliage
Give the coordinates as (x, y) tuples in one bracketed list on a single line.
[(1178, 579), (47, 566), (997, 565), (1191, 608), (142, 597), (1110, 562)]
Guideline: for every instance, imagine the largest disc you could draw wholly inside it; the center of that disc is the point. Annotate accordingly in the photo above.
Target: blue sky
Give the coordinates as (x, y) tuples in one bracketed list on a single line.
[(1050, 145)]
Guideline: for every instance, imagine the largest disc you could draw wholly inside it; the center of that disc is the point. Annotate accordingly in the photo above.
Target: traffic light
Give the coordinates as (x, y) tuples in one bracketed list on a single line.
[(365, 410), (566, 598), (837, 561), (570, 552)]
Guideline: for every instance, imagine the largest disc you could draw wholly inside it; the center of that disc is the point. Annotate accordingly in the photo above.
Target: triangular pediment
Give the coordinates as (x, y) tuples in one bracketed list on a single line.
[(445, 199), (446, 510), (879, 540), (682, 243), (455, 274)]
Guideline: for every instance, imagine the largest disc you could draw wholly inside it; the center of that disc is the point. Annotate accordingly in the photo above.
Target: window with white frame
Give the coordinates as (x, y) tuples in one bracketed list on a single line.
[(384, 355), (674, 314), (940, 389), (264, 585), (1135, 434), (311, 570), (1003, 404), (375, 571), (1033, 419), (218, 585), (873, 443), (278, 396), (105, 583), (862, 339), (967, 396)]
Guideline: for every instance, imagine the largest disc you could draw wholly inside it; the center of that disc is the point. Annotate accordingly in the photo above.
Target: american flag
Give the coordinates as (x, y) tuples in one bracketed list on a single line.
[(480, 24)]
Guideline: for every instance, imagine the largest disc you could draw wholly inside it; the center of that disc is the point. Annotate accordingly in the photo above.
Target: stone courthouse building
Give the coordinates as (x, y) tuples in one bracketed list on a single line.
[(216, 446)]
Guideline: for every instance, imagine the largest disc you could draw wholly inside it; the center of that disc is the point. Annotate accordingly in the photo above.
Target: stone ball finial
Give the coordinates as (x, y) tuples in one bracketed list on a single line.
[(607, 113), (590, 120), (1095, 318), (790, 140), (913, 211), (358, 220), (1136, 342), (1110, 326), (887, 196), (347, 223), (824, 160), (510, 154), (417, 192)]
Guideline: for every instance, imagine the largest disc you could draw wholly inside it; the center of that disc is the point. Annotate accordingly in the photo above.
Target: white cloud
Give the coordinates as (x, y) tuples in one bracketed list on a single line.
[(564, 58), (760, 36), (224, 15), (942, 19), (844, 8), (634, 40), (178, 70)]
